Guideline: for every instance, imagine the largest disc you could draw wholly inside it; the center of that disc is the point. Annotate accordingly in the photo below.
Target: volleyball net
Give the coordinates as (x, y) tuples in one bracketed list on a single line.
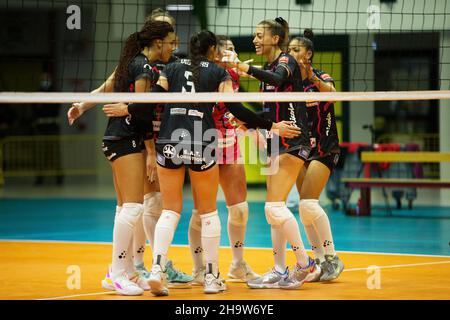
[(390, 62)]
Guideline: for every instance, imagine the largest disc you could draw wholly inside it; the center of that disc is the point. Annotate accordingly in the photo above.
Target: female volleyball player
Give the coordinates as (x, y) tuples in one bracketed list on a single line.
[(122, 144), (322, 159), (152, 196), (233, 182), (178, 145), (281, 74)]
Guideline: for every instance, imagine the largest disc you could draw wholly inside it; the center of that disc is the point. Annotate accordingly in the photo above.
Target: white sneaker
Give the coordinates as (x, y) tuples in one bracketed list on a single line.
[(125, 286), (158, 281), (242, 271), (107, 282), (140, 280), (214, 284), (199, 277)]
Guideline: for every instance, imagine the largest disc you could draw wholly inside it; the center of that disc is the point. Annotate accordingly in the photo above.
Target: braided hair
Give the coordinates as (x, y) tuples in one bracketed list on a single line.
[(151, 31)]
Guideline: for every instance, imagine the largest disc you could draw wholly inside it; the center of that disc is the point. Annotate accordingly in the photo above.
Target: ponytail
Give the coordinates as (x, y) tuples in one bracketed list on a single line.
[(279, 27), (198, 48)]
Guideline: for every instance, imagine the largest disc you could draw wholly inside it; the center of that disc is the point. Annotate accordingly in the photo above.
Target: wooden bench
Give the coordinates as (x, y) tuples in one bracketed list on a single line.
[(366, 183)]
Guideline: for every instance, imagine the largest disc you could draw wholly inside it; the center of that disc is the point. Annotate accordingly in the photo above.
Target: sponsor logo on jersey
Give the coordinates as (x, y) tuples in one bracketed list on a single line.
[(178, 111), (206, 166), (312, 104), (195, 113), (128, 120), (147, 66), (169, 151), (292, 115), (269, 87), (327, 131)]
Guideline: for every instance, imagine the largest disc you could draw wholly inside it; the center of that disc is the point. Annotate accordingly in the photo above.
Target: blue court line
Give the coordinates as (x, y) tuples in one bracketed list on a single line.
[(424, 230)]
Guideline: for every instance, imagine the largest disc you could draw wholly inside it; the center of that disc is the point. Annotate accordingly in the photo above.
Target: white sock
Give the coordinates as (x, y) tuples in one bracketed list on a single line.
[(211, 241), (323, 229), (195, 240), (292, 233), (124, 224), (279, 248), (236, 230), (152, 212), (164, 232), (139, 242), (314, 241)]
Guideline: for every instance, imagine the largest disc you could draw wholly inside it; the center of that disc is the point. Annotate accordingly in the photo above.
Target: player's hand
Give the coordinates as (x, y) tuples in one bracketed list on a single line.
[(286, 129), (74, 112), (119, 109), (151, 167), (235, 122), (306, 69), (230, 58)]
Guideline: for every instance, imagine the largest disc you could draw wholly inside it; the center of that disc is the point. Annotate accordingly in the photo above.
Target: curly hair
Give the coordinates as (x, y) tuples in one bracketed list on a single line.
[(151, 31)]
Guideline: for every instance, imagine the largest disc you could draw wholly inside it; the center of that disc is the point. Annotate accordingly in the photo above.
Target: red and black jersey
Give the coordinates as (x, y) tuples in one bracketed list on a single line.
[(127, 126), (289, 111), (321, 121)]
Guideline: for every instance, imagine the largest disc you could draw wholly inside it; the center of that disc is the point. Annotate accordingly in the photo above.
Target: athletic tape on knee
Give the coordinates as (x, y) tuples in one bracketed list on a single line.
[(131, 213), (195, 222), (277, 213), (153, 204), (168, 220), (238, 214), (310, 210), (210, 225)]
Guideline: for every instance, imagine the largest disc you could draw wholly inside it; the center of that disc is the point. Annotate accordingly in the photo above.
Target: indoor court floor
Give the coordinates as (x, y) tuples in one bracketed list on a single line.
[(60, 249)]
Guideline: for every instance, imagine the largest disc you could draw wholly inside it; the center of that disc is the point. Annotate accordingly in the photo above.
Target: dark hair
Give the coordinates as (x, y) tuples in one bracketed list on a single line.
[(198, 48), (221, 39), (279, 27), (152, 30), (306, 41), (158, 12)]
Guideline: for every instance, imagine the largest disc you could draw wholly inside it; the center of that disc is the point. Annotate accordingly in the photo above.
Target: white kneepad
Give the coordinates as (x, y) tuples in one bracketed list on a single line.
[(238, 214), (168, 220), (153, 204), (277, 213), (310, 210), (131, 213)]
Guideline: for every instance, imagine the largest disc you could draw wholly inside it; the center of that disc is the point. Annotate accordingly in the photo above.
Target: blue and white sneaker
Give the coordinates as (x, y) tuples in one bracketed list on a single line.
[(177, 279), (269, 280)]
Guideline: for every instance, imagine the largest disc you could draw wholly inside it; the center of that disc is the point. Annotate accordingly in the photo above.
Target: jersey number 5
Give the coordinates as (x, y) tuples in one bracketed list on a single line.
[(187, 75)]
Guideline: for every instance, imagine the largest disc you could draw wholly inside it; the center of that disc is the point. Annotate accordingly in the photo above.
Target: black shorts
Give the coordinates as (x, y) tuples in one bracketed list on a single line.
[(298, 147), (114, 149), (329, 160), (196, 157)]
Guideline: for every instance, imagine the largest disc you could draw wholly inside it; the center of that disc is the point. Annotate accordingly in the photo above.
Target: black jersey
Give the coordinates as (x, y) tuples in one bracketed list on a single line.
[(289, 111), (321, 121), (179, 120), (127, 127)]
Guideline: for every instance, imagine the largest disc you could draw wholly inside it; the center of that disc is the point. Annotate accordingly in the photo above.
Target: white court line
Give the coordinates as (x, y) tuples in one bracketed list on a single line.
[(400, 265), (226, 247), (79, 295), (346, 270)]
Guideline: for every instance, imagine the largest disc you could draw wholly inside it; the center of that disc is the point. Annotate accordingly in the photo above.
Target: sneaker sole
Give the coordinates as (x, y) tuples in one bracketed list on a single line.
[(212, 291), (108, 286), (263, 286), (179, 285), (157, 288), (293, 287)]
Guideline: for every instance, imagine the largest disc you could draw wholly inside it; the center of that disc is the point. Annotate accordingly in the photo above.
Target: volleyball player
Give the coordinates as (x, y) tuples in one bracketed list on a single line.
[(175, 149), (322, 159), (152, 196), (122, 145), (281, 74), (233, 183)]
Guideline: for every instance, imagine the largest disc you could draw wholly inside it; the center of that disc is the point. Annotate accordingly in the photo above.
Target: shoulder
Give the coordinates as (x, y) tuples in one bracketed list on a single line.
[(286, 58)]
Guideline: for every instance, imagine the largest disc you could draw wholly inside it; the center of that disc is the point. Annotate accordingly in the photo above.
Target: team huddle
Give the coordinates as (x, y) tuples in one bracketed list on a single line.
[(150, 146)]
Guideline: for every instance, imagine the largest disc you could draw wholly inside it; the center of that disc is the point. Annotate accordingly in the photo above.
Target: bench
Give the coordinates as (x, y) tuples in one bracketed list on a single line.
[(366, 183)]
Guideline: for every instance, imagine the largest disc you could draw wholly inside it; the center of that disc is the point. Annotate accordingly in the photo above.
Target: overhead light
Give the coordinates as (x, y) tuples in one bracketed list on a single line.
[(179, 7)]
